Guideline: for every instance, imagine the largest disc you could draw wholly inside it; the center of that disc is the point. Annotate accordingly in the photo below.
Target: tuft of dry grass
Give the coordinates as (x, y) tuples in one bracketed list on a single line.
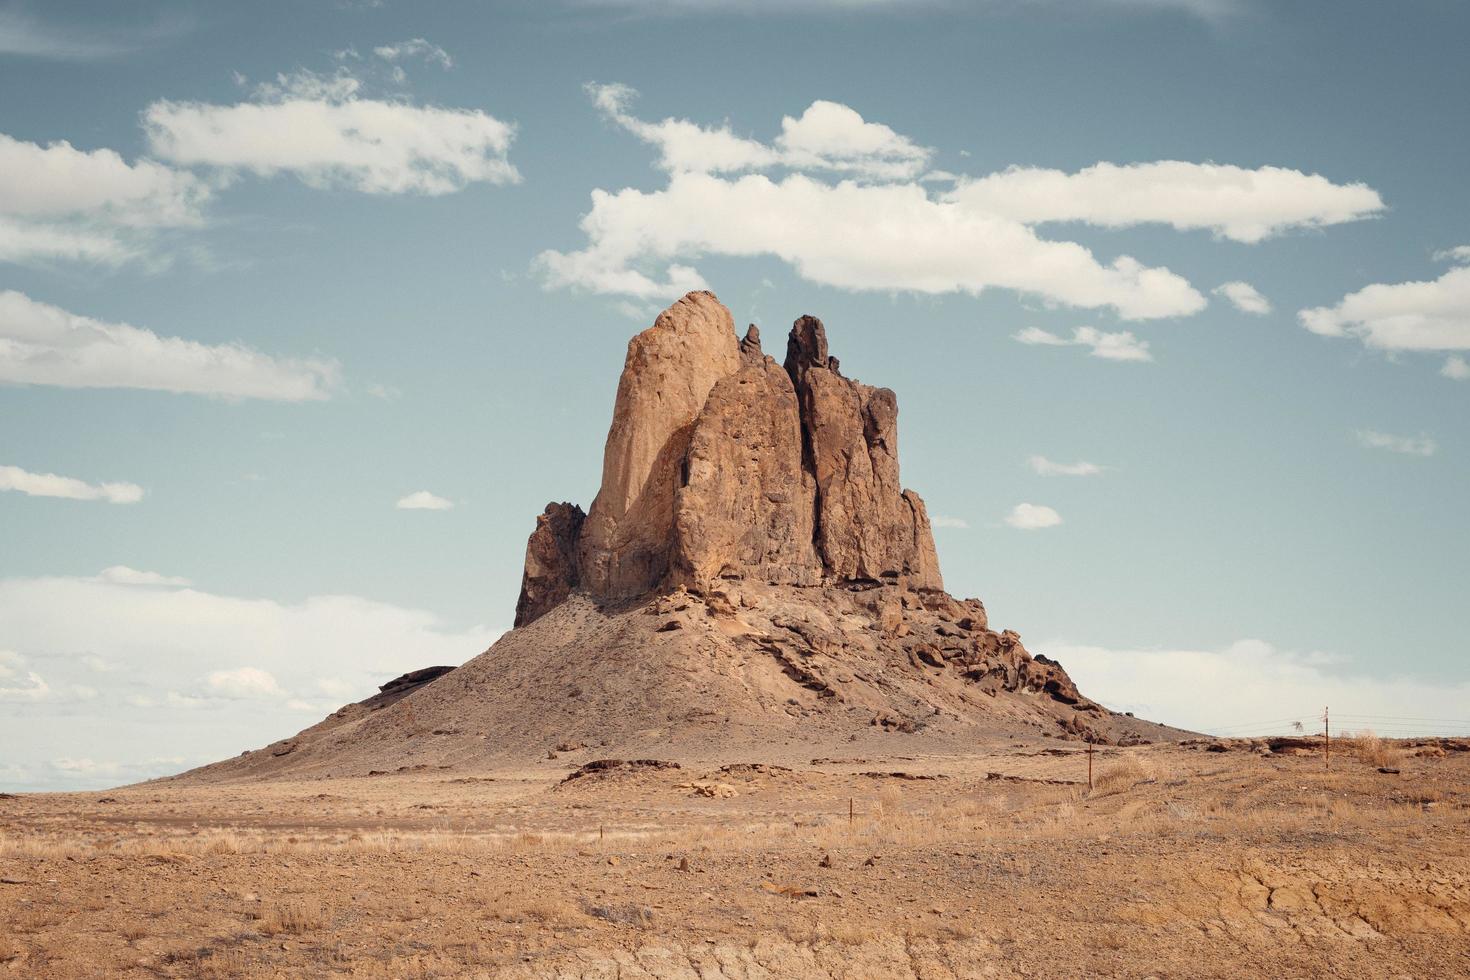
[(293, 917), (1367, 747), (1123, 775)]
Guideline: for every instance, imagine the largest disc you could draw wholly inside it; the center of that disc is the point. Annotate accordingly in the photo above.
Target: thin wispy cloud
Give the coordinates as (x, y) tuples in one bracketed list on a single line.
[(1456, 368), (1420, 445), (67, 487), (1244, 297), (22, 34), (41, 344), (1119, 346), (959, 523), (123, 575), (1042, 466)]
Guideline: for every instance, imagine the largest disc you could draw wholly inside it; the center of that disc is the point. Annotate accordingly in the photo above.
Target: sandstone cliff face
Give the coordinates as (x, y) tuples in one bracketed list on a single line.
[(627, 540), (551, 561), (721, 464)]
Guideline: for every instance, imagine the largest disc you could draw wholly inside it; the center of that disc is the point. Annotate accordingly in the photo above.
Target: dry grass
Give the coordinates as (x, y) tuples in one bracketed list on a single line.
[(1123, 775), (292, 917), (1367, 747)]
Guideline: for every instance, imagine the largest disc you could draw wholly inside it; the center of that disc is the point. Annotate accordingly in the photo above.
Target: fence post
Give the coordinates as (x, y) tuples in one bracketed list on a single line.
[(1089, 763), (1326, 739)]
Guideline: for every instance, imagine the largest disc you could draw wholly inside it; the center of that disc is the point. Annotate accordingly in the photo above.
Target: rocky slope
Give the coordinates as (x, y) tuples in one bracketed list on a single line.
[(751, 575)]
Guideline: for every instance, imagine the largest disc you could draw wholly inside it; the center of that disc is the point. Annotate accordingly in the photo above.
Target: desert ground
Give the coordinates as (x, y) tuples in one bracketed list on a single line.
[(1180, 861)]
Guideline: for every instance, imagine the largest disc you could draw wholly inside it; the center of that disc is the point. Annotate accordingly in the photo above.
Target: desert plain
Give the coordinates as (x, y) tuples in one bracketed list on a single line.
[(1181, 860)]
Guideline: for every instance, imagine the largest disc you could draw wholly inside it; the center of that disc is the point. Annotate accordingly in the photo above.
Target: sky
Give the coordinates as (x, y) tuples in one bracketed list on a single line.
[(307, 309)]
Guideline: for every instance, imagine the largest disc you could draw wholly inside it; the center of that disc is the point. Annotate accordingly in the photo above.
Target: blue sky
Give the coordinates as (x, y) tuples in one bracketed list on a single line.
[(1175, 295)]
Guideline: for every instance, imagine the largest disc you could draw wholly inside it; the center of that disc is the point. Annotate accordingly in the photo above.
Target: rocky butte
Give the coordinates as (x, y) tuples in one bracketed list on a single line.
[(752, 580), (722, 465)]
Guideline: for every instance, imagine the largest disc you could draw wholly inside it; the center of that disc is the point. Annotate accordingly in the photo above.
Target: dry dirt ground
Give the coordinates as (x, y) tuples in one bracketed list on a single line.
[(1180, 862)]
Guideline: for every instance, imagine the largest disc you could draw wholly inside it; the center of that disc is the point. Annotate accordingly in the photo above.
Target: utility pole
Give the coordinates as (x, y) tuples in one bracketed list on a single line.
[(1326, 740)]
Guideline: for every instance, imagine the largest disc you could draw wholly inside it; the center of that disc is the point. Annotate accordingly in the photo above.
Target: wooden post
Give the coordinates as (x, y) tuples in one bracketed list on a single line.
[(1089, 763), (599, 832), (849, 811), (1326, 740)]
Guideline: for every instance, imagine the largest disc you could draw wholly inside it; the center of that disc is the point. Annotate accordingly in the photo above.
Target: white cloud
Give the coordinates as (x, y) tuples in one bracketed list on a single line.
[(123, 575), (1256, 689), (42, 344), (320, 129), (179, 681), (1455, 368), (415, 48), (69, 488), (1460, 253), (881, 227), (1408, 445), (1032, 517), (1244, 297), (851, 236), (423, 500), (939, 520), (19, 684), (1119, 346), (1045, 467), (243, 683), (1232, 202), (1405, 316), (59, 202)]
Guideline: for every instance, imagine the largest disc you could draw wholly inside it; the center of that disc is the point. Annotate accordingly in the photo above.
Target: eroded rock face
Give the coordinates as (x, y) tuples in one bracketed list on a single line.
[(746, 505), (868, 526), (721, 464), (670, 368), (551, 561)]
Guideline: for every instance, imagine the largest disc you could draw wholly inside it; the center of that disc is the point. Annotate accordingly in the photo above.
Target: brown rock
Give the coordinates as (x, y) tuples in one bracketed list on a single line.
[(551, 567), (668, 373), (868, 527), (745, 506)]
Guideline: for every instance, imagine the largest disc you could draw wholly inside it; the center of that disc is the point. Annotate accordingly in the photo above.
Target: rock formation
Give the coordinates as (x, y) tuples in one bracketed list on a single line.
[(721, 464), (751, 578)]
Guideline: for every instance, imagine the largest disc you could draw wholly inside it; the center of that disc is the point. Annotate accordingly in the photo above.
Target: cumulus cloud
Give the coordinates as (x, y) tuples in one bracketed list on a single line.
[(1119, 346), (1407, 445), (123, 575), (423, 500), (60, 202), (849, 206), (322, 130), (827, 136), (193, 669), (1231, 202), (1258, 689), (1455, 368), (1032, 517), (66, 487), (1244, 297), (849, 235), (1045, 467), (939, 520), (42, 344), (1408, 316)]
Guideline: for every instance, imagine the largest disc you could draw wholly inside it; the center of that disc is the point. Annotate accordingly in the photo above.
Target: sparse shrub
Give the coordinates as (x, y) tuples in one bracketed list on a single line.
[(1369, 748), (294, 917)]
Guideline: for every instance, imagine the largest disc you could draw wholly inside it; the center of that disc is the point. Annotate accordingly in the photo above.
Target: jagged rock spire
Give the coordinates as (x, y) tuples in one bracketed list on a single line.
[(721, 464)]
